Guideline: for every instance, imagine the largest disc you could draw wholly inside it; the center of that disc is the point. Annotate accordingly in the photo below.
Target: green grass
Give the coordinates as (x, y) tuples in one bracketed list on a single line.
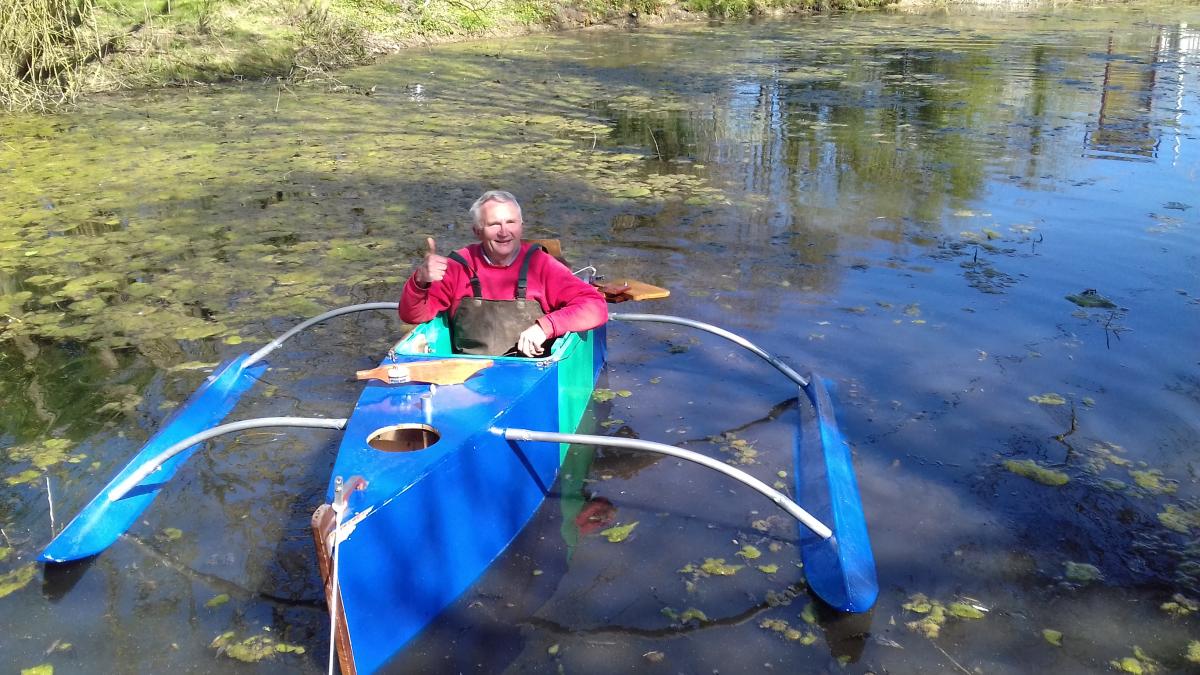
[(108, 44)]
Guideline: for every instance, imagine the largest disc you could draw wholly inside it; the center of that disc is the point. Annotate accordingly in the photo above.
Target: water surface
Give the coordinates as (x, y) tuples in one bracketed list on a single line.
[(901, 202)]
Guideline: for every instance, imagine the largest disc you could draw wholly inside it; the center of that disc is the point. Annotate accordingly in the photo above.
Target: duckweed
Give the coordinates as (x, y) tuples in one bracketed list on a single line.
[(16, 580), (619, 533), (1049, 398), (749, 552), (809, 614), (1092, 300), (782, 628), (692, 614), (1082, 573), (1052, 636), (934, 614), (1028, 468), (1138, 664), (718, 567), (1193, 651), (965, 611), (252, 649), (43, 669), (1180, 606), (1178, 519), (217, 601), (1153, 481)]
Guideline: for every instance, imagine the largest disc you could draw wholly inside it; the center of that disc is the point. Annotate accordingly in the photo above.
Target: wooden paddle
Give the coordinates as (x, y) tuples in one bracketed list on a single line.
[(617, 290), (552, 246), (442, 371), (620, 290)]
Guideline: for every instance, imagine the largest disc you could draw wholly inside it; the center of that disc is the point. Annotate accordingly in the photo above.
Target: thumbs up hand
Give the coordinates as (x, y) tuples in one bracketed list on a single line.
[(433, 267)]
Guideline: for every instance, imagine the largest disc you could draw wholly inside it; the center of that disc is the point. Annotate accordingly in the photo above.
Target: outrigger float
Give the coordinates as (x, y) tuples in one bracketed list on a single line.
[(403, 532)]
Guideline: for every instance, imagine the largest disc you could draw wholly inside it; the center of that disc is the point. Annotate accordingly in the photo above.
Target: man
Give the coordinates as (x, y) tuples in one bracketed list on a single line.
[(503, 295)]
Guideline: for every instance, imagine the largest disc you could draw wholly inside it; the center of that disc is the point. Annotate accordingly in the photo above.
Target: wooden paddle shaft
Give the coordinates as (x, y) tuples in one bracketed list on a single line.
[(441, 371)]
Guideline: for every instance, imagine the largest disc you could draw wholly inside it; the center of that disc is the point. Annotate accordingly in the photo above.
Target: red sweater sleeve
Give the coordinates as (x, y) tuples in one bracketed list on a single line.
[(572, 305), (418, 305)]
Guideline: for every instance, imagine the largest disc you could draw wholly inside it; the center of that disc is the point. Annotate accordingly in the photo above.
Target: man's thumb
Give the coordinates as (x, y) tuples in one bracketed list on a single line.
[(432, 245)]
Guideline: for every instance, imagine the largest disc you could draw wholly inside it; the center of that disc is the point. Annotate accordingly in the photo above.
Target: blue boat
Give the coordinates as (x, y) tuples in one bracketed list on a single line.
[(430, 493), (446, 458)]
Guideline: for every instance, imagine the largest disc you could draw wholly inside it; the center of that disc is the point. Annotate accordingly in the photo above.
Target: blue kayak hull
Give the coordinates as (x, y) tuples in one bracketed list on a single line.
[(432, 519)]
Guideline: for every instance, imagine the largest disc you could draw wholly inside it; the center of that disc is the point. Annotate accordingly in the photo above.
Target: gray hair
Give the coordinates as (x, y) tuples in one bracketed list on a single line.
[(492, 196)]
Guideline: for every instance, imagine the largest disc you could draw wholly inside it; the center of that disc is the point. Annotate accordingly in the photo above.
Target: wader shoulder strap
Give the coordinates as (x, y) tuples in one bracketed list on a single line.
[(475, 286), (521, 280)]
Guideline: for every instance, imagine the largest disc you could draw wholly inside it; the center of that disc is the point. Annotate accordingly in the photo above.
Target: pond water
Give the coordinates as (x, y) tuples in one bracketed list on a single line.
[(983, 228)]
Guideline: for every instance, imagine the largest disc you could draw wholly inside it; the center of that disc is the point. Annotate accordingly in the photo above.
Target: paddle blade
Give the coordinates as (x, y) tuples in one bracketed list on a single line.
[(552, 246), (441, 371), (619, 290)]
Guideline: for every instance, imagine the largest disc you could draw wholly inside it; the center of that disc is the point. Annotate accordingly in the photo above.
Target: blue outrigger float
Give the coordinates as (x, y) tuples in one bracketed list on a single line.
[(444, 461)]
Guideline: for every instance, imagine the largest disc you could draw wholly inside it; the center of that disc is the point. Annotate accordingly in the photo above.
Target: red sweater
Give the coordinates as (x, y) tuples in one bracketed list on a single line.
[(571, 304)]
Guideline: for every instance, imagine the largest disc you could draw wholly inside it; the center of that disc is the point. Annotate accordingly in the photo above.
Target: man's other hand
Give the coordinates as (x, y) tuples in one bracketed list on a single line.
[(530, 341)]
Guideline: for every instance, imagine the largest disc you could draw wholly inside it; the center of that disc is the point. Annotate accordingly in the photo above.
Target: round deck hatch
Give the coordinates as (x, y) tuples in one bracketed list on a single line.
[(403, 438)]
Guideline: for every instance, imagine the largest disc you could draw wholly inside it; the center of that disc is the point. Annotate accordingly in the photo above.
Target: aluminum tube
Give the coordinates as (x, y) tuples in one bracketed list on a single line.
[(792, 508), (273, 344), (732, 337), (155, 462)]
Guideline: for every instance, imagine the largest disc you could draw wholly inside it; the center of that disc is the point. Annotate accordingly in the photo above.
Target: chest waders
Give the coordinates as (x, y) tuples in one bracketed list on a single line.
[(491, 327)]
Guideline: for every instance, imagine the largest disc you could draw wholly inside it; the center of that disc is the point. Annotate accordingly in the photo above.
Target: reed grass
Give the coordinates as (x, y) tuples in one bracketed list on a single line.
[(45, 48)]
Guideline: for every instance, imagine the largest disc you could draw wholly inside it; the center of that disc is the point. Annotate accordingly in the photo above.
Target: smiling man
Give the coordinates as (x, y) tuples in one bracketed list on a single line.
[(504, 296)]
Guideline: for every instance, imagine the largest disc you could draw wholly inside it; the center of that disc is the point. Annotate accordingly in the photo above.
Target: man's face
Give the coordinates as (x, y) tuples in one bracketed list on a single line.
[(499, 231)]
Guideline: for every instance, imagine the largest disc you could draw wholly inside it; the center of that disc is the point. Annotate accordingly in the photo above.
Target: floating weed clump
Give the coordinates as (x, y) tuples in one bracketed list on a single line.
[(1082, 573), (689, 614), (45, 454), (749, 552), (711, 567), (1178, 519), (742, 450), (252, 649), (1090, 299), (16, 580), (1052, 636), (1153, 481), (605, 395), (1138, 664), (1028, 468), (26, 476), (1180, 606), (781, 627), (1099, 456), (1193, 651), (935, 614), (964, 611), (217, 601), (809, 614), (619, 533), (1049, 398)]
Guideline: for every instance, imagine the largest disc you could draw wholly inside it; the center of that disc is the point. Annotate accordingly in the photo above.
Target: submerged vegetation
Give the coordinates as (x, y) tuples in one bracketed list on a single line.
[(51, 51)]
